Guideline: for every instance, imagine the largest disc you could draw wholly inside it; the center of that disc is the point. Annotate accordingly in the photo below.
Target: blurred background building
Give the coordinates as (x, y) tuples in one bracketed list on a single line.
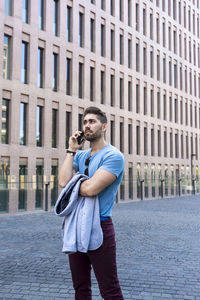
[(139, 61)]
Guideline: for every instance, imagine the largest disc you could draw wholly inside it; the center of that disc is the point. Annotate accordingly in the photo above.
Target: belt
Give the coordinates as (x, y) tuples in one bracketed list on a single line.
[(104, 219)]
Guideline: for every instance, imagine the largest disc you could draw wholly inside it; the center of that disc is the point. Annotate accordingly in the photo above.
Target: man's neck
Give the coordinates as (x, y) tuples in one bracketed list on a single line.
[(97, 145)]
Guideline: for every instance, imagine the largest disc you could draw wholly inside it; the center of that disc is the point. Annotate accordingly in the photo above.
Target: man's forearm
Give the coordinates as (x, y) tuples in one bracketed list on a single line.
[(66, 171)]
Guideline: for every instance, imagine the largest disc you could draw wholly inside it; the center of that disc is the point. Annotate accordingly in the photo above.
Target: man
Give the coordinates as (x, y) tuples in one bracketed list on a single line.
[(104, 165)]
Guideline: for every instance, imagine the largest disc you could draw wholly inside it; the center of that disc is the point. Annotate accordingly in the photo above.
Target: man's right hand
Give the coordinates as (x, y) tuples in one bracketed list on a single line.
[(73, 143)]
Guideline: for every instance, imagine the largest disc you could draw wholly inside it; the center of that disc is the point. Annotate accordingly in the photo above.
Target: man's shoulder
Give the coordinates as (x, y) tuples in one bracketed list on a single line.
[(113, 151)]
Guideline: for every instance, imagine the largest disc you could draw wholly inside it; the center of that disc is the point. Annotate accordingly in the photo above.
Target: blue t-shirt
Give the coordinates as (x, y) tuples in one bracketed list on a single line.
[(110, 159)]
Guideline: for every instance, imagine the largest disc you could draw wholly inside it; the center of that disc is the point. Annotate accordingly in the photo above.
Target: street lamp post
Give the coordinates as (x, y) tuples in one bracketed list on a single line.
[(192, 179)]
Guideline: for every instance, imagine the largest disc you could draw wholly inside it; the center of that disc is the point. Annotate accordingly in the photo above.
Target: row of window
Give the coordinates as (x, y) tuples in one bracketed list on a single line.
[(186, 15), (181, 145), (155, 181), (173, 137), (24, 185), (165, 106)]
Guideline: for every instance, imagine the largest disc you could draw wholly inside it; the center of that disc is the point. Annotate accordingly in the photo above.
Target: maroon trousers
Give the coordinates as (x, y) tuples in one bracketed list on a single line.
[(103, 261)]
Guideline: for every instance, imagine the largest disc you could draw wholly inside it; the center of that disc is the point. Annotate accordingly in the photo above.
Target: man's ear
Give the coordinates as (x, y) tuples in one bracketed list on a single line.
[(104, 127)]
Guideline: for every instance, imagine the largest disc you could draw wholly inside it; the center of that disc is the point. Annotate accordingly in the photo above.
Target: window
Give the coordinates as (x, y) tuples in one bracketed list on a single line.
[(186, 113), (170, 72), (23, 123), (39, 183), (68, 76), (152, 141), (54, 128), (121, 10), (54, 181), (138, 140), (121, 49), (68, 128), (181, 77), (164, 107), (180, 45), (102, 40), (137, 15), (39, 130), (170, 108), (103, 4), (164, 33), (164, 69), (121, 93), (144, 21), (8, 7), (112, 44), (130, 140), (165, 143), (157, 30), (4, 180), (158, 66), (175, 41), (151, 25), (129, 95), (55, 72), (171, 144), (152, 102), (151, 63), (121, 132), (112, 7), (22, 194), (129, 12), (175, 74), (145, 141), (176, 110), (137, 98), (102, 87), (129, 53), (40, 75), (92, 83), (179, 11), (80, 86), (69, 24), (112, 90), (169, 38), (158, 104), (81, 31), (145, 100), (174, 9), (24, 63), (112, 132), (41, 14), (6, 57), (144, 60), (137, 56), (182, 147), (55, 17), (5, 121), (92, 35), (159, 142), (130, 185), (25, 14)]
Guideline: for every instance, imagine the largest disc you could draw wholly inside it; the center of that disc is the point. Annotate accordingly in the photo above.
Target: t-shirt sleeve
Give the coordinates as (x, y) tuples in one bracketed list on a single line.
[(113, 163), (75, 163)]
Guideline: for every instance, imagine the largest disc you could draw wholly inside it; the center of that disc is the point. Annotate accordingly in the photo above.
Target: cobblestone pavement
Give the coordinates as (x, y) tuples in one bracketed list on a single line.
[(158, 251)]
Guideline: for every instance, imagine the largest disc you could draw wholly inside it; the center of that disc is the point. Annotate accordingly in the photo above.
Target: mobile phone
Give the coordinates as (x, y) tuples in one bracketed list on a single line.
[(80, 138)]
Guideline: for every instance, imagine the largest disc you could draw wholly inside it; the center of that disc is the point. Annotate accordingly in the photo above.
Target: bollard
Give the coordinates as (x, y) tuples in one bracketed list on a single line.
[(179, 187), (141, 189), (162, 189), (46, 195)]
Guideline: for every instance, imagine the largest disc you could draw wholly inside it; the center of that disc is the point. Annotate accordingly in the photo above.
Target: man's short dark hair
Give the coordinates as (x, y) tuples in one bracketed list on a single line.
[(96, 111)]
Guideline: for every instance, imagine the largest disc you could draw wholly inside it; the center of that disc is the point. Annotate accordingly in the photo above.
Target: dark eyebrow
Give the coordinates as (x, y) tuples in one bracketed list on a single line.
[(89, 120)]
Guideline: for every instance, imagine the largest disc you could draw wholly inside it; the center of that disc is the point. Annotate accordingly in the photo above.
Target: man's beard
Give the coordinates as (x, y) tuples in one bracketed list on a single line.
[(94, 137)]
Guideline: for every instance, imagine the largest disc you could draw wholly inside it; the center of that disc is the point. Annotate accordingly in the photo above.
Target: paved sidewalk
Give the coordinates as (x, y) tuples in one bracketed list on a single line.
[(158, 250)]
